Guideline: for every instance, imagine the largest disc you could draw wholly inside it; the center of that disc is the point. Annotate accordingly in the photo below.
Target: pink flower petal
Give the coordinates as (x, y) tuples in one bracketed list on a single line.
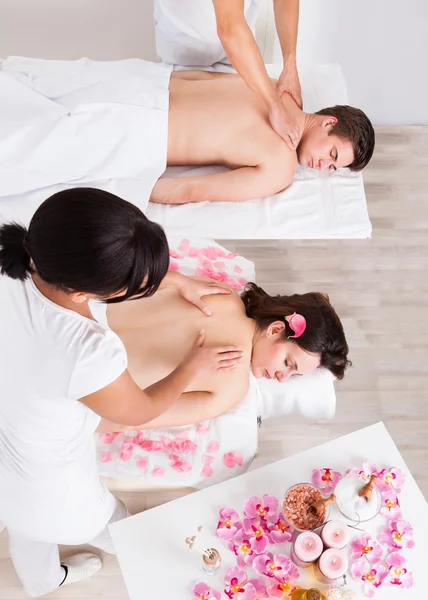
[(108, 438), (235, 573), (158, 471), (261, 591), (173, 266), (202, 590), (175, 254), (213, 446), (220, 265), (182, 466), (143, 463), (242, 281), (184, 245), (106, 457), (194, 252), (231, 459), (125, 455), (167, 442), (237, 269), (202, 429), (207, 460), (139, 438), (297, 324), (207, 471)]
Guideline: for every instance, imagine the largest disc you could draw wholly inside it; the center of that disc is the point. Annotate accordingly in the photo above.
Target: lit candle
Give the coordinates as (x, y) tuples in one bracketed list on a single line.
[(332, 565), (307, 547), (335, 534)]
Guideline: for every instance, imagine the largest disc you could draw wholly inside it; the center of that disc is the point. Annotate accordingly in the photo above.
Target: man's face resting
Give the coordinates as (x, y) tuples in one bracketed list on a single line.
[(321, 151)]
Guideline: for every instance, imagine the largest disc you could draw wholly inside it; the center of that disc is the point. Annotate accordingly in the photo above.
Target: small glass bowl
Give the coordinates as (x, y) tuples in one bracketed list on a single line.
[(312, 522), (350, 505)]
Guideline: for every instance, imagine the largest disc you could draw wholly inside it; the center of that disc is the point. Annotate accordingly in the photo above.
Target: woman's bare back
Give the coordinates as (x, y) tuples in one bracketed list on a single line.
[(157, 333)]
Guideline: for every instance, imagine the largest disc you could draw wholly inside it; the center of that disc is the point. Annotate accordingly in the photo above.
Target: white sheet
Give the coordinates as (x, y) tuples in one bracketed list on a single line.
[(220, 448), (82, 121), (315, 206)]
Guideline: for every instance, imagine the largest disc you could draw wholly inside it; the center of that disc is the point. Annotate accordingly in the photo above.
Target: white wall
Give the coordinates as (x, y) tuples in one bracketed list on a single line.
[(70, 29), (382, 46)]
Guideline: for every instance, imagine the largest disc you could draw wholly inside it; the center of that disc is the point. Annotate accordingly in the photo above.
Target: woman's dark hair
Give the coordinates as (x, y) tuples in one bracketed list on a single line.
[(88, 240), (323, 334)]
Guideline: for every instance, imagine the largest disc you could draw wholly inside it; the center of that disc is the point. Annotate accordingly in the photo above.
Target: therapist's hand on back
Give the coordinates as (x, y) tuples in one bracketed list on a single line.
[(284, 124), (208, 360)]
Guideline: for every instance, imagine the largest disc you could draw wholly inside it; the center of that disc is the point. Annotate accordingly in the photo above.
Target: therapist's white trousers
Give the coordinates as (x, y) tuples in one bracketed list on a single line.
[(38, 565)]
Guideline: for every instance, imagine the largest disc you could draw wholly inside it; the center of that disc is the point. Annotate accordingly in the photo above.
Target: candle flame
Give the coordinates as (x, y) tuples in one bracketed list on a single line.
[(337, 532)]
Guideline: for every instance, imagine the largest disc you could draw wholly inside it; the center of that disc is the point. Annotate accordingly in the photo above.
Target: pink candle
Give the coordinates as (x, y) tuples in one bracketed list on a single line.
[(335, 534), (307, 547), (332, 565)]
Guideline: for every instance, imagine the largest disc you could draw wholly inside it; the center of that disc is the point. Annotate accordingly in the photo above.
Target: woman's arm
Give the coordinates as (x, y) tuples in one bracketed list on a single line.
[(124, 402), (191, 408)]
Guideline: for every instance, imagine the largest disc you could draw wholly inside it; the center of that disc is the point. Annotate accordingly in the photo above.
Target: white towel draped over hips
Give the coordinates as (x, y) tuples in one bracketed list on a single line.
[(81, 121)]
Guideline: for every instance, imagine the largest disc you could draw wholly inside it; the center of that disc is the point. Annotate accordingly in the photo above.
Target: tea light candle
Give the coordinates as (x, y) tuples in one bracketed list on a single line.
[(335, 534), (307, 547), (332, 565)]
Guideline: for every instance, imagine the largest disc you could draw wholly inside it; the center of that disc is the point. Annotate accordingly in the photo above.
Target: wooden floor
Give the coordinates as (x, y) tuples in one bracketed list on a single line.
[(380, 289)]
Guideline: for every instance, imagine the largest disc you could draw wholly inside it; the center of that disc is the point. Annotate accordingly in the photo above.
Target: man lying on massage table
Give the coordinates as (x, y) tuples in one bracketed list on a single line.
[(215, 119)]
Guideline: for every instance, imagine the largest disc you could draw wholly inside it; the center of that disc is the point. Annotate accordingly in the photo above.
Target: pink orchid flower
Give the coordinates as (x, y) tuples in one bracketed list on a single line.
[(203, 591), (391, 479), (280, 531), (366, 472), (397, 535), (372, 576), (390, 506), (365, 547), (398, 576), (226, 528), (231, 459), (264, 508), (241, 547), (259, 539), (326, 479), (261, 591), (238, 586), (278, 566), (281, 589)]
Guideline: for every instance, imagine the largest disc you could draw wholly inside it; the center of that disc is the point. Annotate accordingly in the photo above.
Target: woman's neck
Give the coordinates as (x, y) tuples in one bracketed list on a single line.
[(58, 296)]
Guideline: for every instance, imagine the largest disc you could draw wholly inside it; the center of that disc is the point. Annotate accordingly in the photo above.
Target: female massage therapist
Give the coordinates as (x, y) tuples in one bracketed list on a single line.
[(192, 33), (62, 369)]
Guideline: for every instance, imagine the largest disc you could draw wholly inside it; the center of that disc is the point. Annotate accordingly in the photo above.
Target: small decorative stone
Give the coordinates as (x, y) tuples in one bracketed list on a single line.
[(334, 594)]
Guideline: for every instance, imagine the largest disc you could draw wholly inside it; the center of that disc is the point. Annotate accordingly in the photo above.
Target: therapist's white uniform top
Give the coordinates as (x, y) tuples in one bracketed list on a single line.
[(186, 31), (49, 358)]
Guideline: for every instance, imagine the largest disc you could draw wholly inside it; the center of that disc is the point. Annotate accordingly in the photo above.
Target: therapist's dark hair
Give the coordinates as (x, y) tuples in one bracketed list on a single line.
[(324, 331), (88, 240)]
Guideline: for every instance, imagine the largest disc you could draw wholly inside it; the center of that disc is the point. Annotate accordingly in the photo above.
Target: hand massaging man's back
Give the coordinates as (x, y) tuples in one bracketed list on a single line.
[(214, 118)]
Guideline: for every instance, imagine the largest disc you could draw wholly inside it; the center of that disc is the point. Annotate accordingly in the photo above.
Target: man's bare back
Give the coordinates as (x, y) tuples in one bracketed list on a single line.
[(215, 119)]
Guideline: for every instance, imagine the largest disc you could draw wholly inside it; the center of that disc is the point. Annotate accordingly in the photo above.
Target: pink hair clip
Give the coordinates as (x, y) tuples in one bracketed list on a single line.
[(297, 324)]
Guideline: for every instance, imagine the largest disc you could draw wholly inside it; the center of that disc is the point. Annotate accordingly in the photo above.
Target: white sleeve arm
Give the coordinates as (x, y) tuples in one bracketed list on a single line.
[(102, 361)]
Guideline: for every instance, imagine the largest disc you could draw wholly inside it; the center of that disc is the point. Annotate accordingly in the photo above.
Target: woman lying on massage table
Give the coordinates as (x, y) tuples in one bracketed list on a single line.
[(281, 336)]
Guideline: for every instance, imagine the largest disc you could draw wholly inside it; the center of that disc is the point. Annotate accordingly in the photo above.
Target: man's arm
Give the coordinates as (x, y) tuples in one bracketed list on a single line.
[(241, 48), (246, 183), (287, 24)]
